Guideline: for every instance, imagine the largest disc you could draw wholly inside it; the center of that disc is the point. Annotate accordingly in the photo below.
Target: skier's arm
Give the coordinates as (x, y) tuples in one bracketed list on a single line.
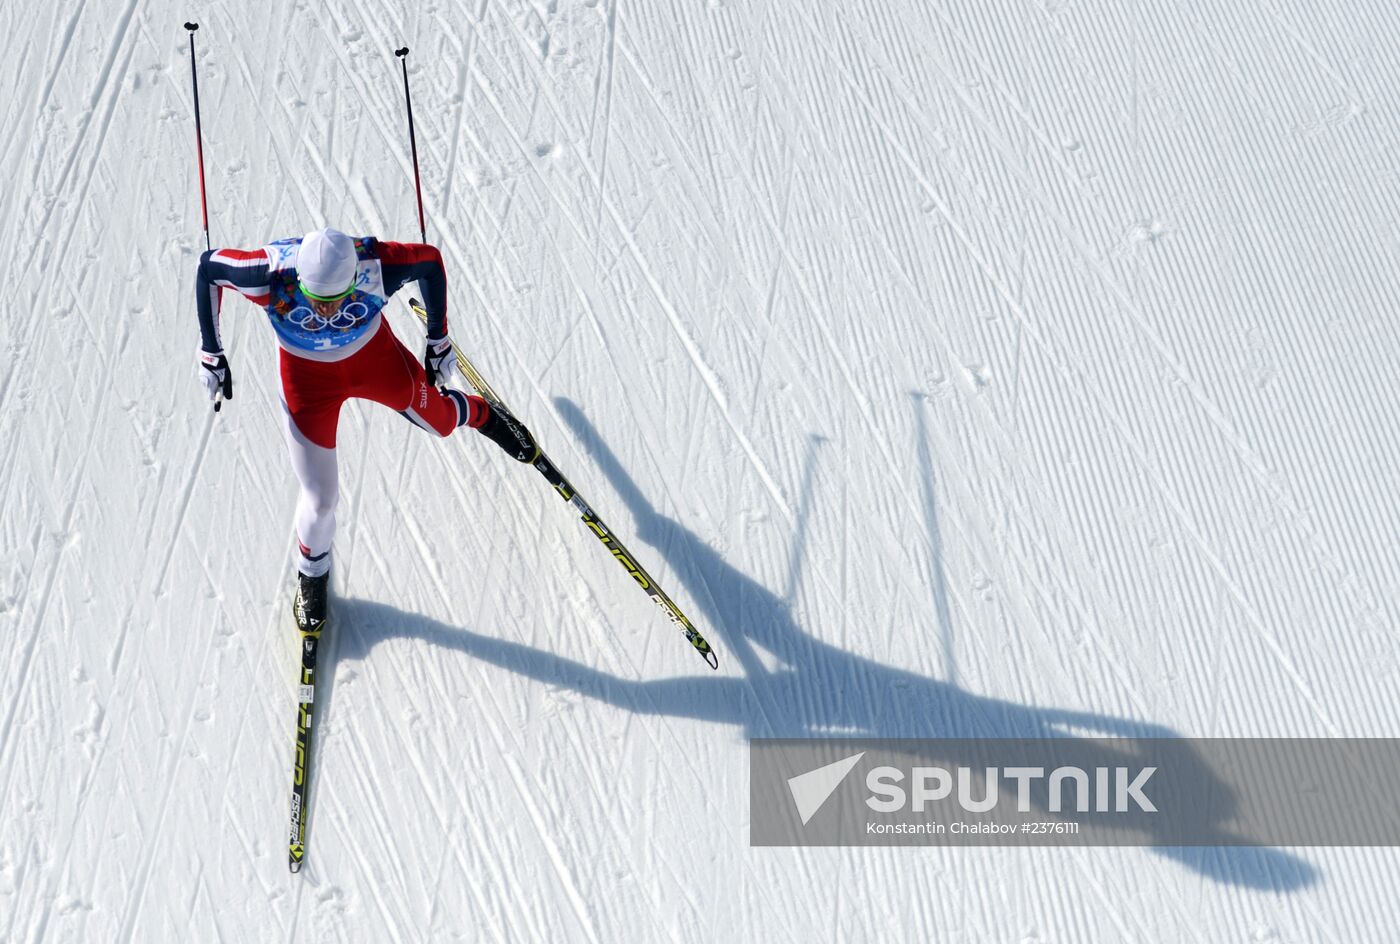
[(406, 262), (246, 271)]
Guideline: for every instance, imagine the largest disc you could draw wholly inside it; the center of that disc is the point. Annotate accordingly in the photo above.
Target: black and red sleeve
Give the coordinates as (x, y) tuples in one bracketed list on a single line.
[(243, 270), (406, 262)]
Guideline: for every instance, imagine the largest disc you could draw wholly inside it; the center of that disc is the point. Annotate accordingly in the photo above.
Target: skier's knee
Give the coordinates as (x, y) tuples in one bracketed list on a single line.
[(320, 505)]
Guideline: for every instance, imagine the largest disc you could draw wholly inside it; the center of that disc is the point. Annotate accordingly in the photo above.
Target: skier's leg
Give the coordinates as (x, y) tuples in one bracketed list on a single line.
[(387, 373), (434, 420), (318, 475), (384, 371), (312, 393)]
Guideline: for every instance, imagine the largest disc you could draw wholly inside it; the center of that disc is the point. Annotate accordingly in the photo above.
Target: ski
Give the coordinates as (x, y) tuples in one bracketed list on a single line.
[(310, 631), (590, 518)]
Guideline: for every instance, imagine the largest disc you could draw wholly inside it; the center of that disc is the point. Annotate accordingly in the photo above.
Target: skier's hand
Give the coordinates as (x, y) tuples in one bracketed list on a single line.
[(216, 376), (438, 360)]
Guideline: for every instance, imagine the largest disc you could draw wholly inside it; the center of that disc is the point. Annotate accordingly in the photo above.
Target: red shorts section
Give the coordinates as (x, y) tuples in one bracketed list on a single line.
[(383, 371)]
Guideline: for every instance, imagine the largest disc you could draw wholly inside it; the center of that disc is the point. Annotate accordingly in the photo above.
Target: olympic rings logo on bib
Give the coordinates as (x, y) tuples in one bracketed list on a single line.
[(348, 316)]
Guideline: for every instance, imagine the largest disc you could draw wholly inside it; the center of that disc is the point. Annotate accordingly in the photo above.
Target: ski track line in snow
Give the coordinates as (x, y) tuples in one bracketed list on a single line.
[(780, 238), (221, 804), (991, 423), (211, 907), (152, 832), (603, 89), (838, 357), (31, 643), (265, 641), (898, 268), (136, 897), (1254, 619), (453, 848), (582, 741), (702, 367), (617, 646), (95, 765), (114, 709), (375, 814), (105, 86), (308, 198), (118, 652), (1300, 40), (228, 806), (67, 32), (463, 109), (562, 868), (1241, 448), (108, 85), (38, 162), (587, 306), (26, 650), (1244, 452), (442, 765), (23, 129), (613, 645), (1271, 482), (1022, 114), (889, 456), (20, 690), (446, 596)]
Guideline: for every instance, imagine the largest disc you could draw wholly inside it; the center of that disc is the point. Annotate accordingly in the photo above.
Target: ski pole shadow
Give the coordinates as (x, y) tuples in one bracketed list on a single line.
[(814, 688)]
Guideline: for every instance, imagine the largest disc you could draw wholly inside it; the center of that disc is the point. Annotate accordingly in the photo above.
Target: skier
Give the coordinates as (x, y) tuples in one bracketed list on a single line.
[(323, 293)]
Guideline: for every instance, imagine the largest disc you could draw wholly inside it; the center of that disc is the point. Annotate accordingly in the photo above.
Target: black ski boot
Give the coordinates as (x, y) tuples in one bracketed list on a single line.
[(509, 433), (310, 606)]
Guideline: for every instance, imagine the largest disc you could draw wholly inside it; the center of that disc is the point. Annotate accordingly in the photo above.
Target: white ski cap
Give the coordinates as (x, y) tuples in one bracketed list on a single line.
[(326, 262)]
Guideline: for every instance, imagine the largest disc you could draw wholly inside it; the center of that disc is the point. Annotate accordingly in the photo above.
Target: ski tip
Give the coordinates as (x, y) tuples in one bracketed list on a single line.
[(712, 659), (294, 866)]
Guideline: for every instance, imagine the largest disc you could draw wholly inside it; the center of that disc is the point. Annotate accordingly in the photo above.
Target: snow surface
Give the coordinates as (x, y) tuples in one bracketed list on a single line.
[(957, 366)]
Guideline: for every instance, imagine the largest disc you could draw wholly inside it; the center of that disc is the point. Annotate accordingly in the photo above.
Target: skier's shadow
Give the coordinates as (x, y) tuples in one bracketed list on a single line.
[(816, 689)]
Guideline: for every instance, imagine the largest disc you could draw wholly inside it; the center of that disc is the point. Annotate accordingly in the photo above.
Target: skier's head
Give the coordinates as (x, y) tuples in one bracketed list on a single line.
[(326, 267)]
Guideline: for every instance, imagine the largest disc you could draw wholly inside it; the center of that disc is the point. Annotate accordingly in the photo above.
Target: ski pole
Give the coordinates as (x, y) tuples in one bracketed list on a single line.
[(413, 142), (199, 137), (199, 149)]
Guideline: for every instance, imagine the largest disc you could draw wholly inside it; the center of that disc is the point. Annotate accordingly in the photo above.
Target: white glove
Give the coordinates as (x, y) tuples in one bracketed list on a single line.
[(438, 361), (216, 376)]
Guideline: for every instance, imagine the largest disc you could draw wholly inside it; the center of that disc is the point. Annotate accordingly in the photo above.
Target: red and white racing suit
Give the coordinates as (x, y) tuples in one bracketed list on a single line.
[(324, 362)]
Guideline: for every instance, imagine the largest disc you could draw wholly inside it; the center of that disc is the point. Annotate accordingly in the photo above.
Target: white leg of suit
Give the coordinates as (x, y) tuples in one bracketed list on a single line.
[(316, 470)]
